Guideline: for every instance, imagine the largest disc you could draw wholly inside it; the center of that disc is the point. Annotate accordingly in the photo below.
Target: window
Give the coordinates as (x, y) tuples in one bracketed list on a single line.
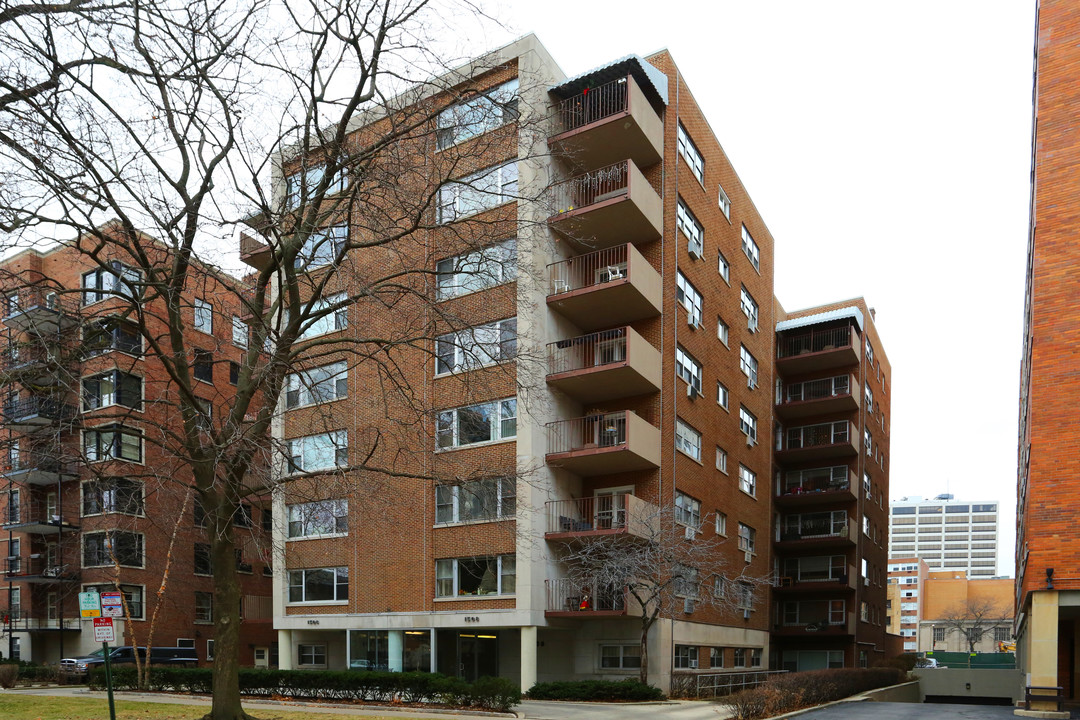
[(204, 612), (751, 249), (866, 484), (133, 597), (319, 585), (866, 525), (690, 298), (477, 270), (747, 423), (687, 510), (725, 202), (486, 422), (869, 395), (869, 352), (748, 364), (687, 439), (750, 310), (478, 192), (239, 332), (303, 184), (318, 452), (203, 564), (326, 315), (485, 112), (724, 267), (1002, 634), (476, 347), (721, 459), (322, 247), (209, 649), (234, 373), (118, 280), (686, 657), (102, 336), (747, 480), (721, 523), (100, 548), (317, 385), (716, 657), (747, 538), (690, 153), (202, 367), (311, 655), (864, 611), (691, 228), (476, 501), (740, 657), (476, 576), (243, 516), (744, 599), (318, 519), (868, 440), (112, 388), (112, 495), (755, 657), (688, 368), (721, 395), (722, 330), (112, 442), (685, 582), (620, 657)]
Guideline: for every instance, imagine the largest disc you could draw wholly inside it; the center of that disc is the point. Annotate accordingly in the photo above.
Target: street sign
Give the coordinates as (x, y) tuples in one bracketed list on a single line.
[(112, 605), (103, 630), (89, 604)]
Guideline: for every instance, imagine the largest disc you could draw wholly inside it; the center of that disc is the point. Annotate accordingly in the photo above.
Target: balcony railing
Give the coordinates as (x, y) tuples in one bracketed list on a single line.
[(591, 106), (794, 574), (595, 431), (36, 407), (607, 347), (593, 187), (591, 269), (618, 513), (31, 515), (814, 341), (583, 598), (839, 526), (36, 567), (817, 435), (827, 479), (819, 389)]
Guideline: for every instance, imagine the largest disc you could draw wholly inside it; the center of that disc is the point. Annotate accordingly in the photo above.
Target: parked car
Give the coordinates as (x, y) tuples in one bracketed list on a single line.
[(927, 664), (80, 667)]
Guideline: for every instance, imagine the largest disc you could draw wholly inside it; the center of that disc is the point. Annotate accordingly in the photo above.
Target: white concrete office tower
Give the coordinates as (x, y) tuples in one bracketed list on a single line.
[(948, 534)]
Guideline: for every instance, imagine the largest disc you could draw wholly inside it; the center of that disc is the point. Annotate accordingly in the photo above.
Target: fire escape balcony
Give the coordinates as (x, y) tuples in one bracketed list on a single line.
[(31, 364), (608, 123), (606, 207), (38, 468), (40, 310), (36, 414), (604, 365), (818, 442), (584, 599), (816, 350), (33, 517), (826, 396), (603, 444), (618, 514), (36, 569), (608, 287)]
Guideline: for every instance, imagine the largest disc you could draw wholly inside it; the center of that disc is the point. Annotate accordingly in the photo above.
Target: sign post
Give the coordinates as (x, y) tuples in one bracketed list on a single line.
[(112, 605), (90, 607)]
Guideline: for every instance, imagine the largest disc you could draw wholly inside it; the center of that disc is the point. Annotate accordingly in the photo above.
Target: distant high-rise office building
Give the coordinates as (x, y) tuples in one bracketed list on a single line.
[(948, 534)]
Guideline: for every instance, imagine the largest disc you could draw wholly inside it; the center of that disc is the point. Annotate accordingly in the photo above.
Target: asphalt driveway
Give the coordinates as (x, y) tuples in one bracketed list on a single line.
[(908, 711)]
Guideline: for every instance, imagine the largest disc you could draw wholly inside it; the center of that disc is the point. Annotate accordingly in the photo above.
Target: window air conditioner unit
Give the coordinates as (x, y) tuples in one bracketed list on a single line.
[(750, 442), (688, 607), (690, 321), (690, 533), (748, 556), (752, 325), (746, 614), (693, 663), (694, 253), (691, 392)]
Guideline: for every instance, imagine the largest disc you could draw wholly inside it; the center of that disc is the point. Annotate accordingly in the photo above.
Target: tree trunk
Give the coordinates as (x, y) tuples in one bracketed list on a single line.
[(225, 703), (643, 672)]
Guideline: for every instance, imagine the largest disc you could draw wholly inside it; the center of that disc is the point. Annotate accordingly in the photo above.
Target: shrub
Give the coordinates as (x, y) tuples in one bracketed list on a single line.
[(9, 673), (37, 673), (609, 690), (905, 662), (791, 691), (495, 693)]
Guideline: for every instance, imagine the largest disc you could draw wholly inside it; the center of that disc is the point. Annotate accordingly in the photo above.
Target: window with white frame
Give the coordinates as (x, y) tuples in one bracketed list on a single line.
[(686, 657), (620, 657), (688, 368), (312, 453), (725, 201), (689, 297), (866, 485), (749, 308), (317, 385), (477, 192), (720, 523), (721, 395), (748, 364), (310, 655), (326, 317), (113, 547), (477, 270), (722, 330), (740, 657), (868, 441), (687, 510), (204, 612), (747, 423), (476, 501), (716, 657), (133, 597), (488, 110), (690, 153), (724, 267), (455, 577), (112, 495), (322, 518), (239, 332), (691, 228), (112, 442), (869, 395), (474, 424), (303, 183), (476, 346), (747, 480), (687, 439), (117, 280), (203, 561), (747, 538), (112, 388), (685, 582), (755, 657), (322, 247), (721, 459), (204, 316), (744, 595), (751, 249), (869, 352), (330, 584)]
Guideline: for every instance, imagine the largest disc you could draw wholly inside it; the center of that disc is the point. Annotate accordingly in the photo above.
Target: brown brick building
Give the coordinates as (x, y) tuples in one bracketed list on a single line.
[(91, 497), (627, 372), (1047, 544), (906, 595)]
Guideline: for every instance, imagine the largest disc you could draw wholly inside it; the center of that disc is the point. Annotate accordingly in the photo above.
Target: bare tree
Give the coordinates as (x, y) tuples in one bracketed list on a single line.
[(973, 619), (652, 562)]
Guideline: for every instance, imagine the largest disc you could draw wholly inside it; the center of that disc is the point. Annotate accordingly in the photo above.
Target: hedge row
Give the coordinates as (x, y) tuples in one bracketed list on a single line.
[(595, 690), (487, 693), (785, 693)]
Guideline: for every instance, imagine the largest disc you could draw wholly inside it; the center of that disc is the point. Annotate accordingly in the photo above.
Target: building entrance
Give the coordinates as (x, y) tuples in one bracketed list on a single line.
[(469, 655)]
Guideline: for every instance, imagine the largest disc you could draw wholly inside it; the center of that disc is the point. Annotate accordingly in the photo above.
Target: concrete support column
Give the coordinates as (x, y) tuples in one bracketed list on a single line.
[(528, 657), (285, 649), (1044, 643), (395, 649)]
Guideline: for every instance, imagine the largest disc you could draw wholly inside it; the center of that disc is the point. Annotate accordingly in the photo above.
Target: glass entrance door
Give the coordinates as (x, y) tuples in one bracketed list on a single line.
[(478, 655)]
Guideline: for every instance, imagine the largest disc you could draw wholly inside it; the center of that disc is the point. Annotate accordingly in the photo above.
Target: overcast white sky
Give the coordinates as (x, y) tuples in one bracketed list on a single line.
[(887, 146)]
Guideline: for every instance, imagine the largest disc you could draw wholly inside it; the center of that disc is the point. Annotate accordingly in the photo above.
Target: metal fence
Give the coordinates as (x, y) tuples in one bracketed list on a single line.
[(708, 685)]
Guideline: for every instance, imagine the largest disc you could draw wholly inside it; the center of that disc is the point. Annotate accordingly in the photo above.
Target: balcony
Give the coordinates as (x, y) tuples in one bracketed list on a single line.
[(620, 514), (605, 288), (37, 624), (583, 599), (817, 350), (604, 365), (607, 207), (41, 310), (603, 444), (826, 627), (36, 569), (801, 580), (818, 535), (820, 441), (839, 394), (818, 486), (35, 414), (608, 123), (254, 252), (38, 469), (32, 364)]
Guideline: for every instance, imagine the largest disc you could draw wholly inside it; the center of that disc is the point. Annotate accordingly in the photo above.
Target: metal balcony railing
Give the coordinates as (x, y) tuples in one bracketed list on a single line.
[(583, 271), (566, 595), (819, 389), (36, 567), (593, 187), (794, 572), (590, 106), (597, 349), (595, 431), (30, 298), (30, 511), (620, 512), (36, 406), (827, 479), (816, 435), (814, 341), (838, 525)]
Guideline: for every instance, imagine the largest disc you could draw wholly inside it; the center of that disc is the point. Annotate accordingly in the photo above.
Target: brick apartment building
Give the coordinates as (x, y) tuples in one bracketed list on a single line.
[(1048, 481), (628, 372), (89, 498), (906, 597)]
